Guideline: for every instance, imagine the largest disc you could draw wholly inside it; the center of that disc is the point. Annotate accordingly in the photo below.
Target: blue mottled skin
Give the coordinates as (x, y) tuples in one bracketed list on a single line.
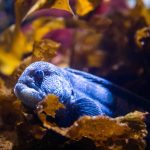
[(81, 93)]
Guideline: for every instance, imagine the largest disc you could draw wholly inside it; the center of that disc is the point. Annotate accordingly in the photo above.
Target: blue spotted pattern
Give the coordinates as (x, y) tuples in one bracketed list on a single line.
[(81, 93)]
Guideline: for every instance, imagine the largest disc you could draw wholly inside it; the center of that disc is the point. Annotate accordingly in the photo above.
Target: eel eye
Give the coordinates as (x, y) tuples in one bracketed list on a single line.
[(38, 76), (31, 73), (47, 73)]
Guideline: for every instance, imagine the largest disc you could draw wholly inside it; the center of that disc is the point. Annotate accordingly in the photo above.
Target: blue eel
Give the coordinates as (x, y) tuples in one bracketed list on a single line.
[(81, 93)]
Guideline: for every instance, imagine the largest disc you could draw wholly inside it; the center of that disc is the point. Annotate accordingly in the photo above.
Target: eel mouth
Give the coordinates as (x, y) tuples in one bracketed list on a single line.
[(32, 84), (29, 95)]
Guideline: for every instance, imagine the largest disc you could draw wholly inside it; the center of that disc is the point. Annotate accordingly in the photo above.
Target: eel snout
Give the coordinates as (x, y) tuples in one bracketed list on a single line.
[(29, 96)]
